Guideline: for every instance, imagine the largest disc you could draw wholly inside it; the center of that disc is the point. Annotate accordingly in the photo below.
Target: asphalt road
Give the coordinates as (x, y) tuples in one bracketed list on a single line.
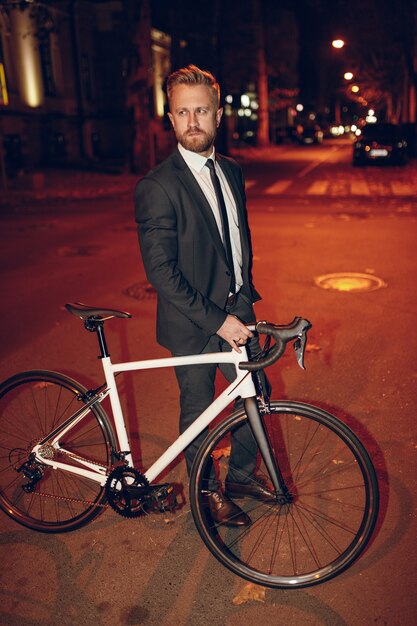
[(311, 214)]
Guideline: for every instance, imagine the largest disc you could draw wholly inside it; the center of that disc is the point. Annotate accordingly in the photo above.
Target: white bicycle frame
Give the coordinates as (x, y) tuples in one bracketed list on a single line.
[(242, 386)]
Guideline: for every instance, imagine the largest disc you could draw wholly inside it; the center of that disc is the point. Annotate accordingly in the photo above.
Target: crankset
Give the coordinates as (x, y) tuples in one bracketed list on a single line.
[(126, 491), (129, 493)]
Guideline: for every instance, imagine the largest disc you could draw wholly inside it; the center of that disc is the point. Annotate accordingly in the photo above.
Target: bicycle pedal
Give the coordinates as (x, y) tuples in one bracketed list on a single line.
[(162, 498)]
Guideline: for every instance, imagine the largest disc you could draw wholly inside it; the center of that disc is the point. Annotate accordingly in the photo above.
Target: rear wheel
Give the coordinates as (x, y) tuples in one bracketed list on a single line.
[(32, 404), (328, 517)]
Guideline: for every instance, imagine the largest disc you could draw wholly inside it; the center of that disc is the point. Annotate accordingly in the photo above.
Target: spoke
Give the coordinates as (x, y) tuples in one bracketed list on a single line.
[(306, 539), (325, 523), (325, 498), (329, 475), (15, 479), (307, 441), (15, 435), (32, 407), (328, 470), (315, 513), (11, 465), (261, 537), (13, 416)]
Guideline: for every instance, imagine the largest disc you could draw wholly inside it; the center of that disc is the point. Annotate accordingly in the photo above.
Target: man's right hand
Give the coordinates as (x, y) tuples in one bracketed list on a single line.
[(234, 332)]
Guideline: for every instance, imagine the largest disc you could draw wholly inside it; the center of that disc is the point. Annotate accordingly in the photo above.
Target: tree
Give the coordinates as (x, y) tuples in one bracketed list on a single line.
[(262, 138), (138, 83), (409, 41), (380, 51), (377, 57), (244, 44)]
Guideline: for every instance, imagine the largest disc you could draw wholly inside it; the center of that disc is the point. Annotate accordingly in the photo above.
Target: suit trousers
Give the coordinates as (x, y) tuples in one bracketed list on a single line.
[(197, 389)]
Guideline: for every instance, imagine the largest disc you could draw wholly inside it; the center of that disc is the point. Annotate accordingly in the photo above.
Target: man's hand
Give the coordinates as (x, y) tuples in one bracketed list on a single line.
[(234, 332)]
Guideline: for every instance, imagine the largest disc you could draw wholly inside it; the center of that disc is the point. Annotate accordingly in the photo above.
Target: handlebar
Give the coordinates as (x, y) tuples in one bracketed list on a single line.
[(296, 330)]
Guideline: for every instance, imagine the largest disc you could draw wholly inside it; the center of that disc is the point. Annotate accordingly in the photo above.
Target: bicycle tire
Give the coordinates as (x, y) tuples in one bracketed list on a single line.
[(335, 498), (32, 404)]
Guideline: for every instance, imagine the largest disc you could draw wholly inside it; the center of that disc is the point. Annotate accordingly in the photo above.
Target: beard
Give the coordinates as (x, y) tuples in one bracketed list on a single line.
[(196, 140)]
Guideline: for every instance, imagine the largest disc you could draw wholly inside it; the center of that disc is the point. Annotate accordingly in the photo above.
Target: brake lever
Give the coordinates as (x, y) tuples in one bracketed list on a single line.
[(299, 347)]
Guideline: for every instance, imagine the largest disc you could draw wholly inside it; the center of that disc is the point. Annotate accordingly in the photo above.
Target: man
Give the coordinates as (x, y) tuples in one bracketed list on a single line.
[(195, 244)]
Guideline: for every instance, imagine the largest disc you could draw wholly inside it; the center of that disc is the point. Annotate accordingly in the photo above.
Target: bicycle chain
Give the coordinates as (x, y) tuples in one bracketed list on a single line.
[(67, 498), (72, 455), (107, 505)]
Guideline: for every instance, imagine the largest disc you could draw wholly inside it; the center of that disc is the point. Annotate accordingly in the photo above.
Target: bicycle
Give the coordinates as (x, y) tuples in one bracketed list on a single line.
[(62, 463)]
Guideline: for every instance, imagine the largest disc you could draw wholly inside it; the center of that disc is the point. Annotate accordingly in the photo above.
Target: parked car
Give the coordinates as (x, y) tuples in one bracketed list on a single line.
[(311, 134), (380, 143)]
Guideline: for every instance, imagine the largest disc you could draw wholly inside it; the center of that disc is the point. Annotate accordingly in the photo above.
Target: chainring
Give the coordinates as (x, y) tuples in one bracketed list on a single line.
[(126, 490)]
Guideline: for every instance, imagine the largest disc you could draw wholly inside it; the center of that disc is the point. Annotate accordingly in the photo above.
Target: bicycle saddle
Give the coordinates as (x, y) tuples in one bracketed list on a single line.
[(84, 311)]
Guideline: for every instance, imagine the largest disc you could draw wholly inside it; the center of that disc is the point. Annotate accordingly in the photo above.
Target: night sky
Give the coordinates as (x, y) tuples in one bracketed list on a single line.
[(220, 37)]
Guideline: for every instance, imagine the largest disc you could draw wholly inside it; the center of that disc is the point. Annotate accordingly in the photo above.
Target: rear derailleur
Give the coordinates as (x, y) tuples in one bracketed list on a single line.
[(33, 471), (129, 493)]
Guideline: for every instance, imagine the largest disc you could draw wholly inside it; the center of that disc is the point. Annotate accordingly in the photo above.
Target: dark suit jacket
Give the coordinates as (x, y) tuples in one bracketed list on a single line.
[(183, 254)]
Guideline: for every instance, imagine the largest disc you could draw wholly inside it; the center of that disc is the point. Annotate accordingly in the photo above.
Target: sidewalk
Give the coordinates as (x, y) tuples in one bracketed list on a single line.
[(75, 184), (56, 184)]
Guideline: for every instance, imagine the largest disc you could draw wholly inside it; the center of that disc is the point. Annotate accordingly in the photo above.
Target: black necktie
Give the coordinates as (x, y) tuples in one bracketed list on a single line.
[(225, 222)]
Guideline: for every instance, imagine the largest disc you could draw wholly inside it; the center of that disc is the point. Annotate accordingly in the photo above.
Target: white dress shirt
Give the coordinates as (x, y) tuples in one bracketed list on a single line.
[(197, 165)]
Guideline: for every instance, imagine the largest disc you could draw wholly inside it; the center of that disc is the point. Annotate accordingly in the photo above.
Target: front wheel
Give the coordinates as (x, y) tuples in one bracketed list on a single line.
[(32, 404), (332, 502)]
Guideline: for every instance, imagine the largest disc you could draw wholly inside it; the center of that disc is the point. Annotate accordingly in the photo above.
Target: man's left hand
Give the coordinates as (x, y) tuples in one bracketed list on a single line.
[(234, 332)]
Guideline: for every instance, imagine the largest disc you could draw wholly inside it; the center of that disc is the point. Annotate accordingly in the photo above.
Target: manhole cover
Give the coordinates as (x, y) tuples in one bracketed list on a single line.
[(141, 291), (349, 281)]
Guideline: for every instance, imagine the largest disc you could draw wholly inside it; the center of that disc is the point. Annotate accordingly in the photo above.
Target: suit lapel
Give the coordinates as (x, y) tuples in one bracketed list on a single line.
[(240, 206), (200, 202)]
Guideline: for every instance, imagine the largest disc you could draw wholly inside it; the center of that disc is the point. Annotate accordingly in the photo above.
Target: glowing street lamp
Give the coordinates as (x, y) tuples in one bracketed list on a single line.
[(348, 75), (354, 88), (338, 43)]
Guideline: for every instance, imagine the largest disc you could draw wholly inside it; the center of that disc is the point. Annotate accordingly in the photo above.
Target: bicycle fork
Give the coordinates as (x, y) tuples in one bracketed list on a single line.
[(261, 437)]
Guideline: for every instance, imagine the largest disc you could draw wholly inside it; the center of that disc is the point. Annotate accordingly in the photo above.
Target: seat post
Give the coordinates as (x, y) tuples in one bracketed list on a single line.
[(97, 326), (102, 341)]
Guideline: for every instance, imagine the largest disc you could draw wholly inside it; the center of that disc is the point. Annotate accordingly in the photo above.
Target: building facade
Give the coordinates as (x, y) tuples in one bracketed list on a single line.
[(64, 77)]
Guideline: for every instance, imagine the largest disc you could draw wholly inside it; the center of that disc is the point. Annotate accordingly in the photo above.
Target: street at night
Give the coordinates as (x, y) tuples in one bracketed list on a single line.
[(311, 214), (171, 171)]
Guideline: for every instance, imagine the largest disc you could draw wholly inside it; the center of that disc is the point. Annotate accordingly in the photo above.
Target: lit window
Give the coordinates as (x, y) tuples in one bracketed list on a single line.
[(4, 98)]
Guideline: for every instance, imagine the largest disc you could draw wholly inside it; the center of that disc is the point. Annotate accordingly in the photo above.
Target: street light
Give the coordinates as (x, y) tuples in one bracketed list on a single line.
[(348, 75), (338, 44)]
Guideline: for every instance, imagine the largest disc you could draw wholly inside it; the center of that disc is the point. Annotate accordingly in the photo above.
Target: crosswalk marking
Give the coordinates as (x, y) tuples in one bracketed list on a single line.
[(336, 188), (319, 188), (377, 188), (402, 189), (359, 188), (279, 187)]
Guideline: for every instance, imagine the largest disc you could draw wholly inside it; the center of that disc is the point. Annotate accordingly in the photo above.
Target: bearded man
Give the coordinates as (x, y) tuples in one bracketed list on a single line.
[(195, 244)]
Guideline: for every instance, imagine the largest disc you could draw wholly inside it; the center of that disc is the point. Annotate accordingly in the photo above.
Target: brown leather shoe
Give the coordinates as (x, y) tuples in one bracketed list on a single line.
[(258, 488), (224, 511)]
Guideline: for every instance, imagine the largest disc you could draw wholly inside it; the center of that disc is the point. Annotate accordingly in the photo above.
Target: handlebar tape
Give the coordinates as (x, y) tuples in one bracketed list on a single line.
[(282, 335)]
